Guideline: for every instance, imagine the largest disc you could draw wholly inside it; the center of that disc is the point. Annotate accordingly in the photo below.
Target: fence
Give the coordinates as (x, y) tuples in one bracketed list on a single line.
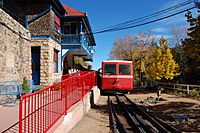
[(181, 87), (39, 111)]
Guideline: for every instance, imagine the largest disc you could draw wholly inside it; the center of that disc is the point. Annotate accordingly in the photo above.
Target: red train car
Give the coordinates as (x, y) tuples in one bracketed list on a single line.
[(117, 75)]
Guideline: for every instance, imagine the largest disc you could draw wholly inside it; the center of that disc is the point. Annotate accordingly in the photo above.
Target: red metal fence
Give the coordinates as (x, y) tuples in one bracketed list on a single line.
[(39, 111)]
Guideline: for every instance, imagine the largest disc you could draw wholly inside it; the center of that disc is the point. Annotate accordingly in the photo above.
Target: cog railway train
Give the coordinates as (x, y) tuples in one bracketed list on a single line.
[(117, 76)]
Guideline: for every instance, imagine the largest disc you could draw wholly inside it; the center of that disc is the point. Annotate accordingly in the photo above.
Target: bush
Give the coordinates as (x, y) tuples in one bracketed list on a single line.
[(25, 85), (194, 93)]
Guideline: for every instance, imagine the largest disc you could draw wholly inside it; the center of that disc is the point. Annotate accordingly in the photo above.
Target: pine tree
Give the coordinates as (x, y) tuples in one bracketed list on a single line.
[(191, 47), (192, 44)]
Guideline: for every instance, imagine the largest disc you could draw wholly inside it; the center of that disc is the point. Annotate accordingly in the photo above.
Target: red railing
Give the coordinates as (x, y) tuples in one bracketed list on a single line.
[(39, 111)]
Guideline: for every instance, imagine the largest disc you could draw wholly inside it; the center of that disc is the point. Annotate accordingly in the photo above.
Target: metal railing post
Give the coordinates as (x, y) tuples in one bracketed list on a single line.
[(66, 95), (82, 85), (20, 115)]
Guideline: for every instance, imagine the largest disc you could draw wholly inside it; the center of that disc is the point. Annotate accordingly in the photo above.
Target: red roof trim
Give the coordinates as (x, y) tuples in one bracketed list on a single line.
[(72, 12)]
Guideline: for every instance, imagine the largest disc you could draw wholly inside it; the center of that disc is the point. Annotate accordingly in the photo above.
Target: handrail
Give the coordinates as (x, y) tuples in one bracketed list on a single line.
[(40, 110)]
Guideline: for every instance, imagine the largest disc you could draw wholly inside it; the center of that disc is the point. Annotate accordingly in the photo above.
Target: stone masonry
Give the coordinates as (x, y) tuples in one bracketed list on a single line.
[(15, 50), (47, 45)]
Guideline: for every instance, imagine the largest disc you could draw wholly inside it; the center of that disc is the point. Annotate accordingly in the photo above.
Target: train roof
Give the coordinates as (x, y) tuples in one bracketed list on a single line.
[(124, 61)]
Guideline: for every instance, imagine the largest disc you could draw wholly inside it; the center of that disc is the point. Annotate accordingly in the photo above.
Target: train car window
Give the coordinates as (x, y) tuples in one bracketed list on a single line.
[(124, 69), (109, 69)]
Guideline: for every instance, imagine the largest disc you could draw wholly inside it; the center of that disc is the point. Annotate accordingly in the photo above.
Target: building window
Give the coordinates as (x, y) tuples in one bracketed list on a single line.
[(55, 60), (71, 28), (56, 23)]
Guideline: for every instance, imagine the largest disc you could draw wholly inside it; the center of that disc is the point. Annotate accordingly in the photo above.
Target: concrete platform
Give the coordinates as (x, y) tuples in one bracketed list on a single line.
[(88, 115), (96, 120)]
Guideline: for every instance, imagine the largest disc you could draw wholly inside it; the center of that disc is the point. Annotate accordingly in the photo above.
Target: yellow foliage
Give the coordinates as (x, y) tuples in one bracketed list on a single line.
[(162, 64)]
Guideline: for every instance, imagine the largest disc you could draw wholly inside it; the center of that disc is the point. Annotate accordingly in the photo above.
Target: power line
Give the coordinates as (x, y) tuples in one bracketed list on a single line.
[(130, 24), (149, 16), (152, 21)]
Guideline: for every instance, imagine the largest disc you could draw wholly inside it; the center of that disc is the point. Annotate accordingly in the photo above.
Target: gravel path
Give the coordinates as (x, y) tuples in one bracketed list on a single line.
[(96, 120)]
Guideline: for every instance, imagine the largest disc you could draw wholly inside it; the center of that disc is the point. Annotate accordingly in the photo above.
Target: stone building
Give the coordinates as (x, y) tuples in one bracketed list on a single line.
[(53, 34), (15, 50)]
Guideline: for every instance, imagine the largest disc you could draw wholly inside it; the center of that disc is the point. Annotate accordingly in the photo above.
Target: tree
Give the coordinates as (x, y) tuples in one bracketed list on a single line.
[(135, 48), (191, 47), (162, 64), (122, 48), (192, 44), (178, 34)]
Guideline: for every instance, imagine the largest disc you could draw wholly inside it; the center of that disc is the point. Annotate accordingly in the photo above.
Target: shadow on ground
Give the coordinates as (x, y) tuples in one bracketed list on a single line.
[(183, 116)]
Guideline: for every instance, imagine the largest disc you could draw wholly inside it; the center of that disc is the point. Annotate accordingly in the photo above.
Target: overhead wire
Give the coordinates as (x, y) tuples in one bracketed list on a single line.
[(152, 21), (150, 15), (134, 22)]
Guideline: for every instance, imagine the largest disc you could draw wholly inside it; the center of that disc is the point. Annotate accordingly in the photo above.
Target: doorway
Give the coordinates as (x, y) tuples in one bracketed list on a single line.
[(35, 56)]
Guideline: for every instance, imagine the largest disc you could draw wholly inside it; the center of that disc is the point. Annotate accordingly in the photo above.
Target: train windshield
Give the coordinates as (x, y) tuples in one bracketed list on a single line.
[(124, 69), (109, 69)]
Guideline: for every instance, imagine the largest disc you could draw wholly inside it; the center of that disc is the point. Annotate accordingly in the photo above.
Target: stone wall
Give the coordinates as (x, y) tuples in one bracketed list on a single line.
[(15, 50), (44, 26), (47, 46)]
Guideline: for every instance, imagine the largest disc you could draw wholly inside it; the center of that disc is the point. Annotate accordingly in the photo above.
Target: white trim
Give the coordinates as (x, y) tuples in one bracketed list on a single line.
[(64, 51), (123, 61), (117, 76)]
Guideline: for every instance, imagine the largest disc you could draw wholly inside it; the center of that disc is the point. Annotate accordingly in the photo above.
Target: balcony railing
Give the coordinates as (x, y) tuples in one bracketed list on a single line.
[(77, 39), (72, 39)]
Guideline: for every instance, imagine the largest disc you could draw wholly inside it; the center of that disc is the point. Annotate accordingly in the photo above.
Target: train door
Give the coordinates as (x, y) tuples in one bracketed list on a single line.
[(109, 76), (125, 76)]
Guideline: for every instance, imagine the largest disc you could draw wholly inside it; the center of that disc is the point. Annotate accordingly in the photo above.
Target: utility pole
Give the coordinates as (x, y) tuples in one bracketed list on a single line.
[(140, 75)]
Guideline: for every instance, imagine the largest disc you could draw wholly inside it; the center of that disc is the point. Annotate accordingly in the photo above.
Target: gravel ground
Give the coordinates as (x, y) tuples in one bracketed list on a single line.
[(181, 113)]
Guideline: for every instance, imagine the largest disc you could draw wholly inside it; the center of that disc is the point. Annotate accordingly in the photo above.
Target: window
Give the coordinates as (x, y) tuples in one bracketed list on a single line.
[(109, 69), (55, 60), (71, 28), (124, 69)]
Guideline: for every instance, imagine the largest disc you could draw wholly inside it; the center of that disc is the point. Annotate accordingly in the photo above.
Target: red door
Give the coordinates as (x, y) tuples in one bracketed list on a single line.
[(109, 76)]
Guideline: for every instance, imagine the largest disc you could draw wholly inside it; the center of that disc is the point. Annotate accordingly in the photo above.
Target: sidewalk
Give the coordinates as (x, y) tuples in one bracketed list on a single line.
[(8, 116), (96, 120)]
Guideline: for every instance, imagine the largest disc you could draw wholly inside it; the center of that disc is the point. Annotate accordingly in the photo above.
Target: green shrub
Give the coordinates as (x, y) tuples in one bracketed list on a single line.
[(42, 86), (181, 93), (193, 93), (25, 85)]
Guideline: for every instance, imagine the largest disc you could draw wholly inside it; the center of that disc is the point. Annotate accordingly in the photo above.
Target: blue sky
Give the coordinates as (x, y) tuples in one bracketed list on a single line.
[(104, 13)]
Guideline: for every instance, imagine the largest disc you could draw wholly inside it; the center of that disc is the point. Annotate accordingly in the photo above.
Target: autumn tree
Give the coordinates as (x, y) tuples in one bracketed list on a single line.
[(162, 64), (135, 48)]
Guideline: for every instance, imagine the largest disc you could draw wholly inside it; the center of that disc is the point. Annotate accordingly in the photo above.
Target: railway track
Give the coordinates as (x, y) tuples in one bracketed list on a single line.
[(128, 117)]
